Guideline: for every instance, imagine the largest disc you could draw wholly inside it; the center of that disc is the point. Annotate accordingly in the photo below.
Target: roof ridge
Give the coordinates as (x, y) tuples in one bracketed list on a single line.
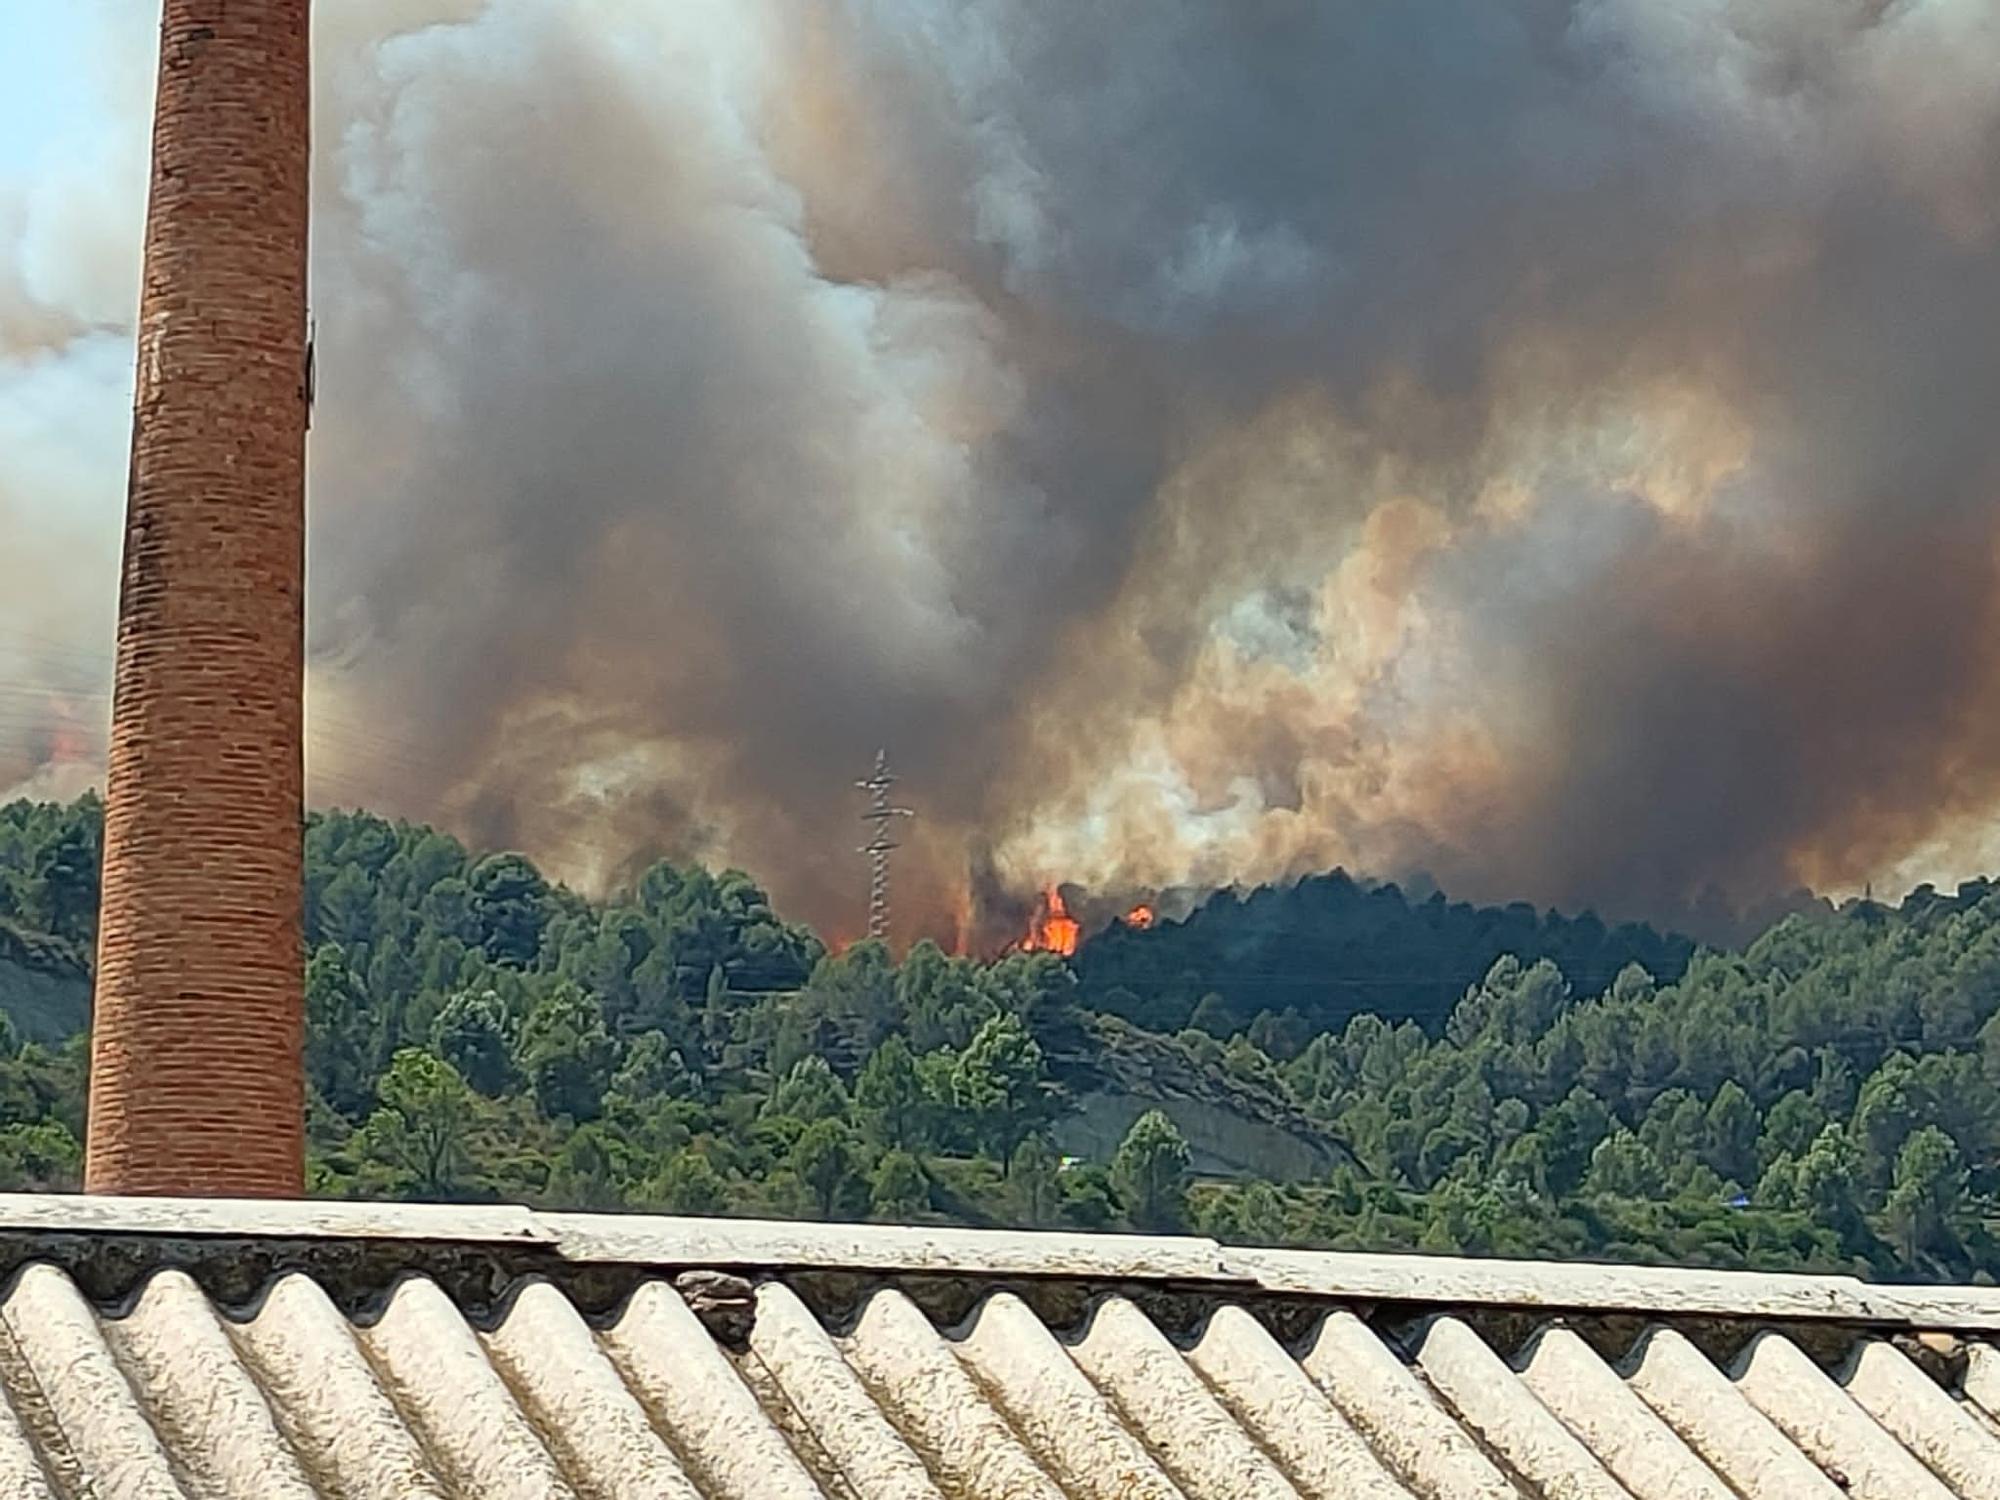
[(758, 1244)]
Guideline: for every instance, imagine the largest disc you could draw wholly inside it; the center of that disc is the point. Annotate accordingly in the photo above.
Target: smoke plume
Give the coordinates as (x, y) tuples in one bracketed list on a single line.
[(1544, 444)]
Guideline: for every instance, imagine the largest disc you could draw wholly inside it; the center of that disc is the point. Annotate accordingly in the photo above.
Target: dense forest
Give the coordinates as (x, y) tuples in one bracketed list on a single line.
[(1309, 957), (1828, 1097)]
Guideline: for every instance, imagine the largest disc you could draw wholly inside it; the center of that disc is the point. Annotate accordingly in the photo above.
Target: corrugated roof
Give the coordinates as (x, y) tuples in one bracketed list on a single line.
[(214, 1350)]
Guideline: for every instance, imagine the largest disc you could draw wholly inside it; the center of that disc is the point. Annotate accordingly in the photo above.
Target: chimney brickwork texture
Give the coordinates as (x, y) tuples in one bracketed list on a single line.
[(197, 1080)]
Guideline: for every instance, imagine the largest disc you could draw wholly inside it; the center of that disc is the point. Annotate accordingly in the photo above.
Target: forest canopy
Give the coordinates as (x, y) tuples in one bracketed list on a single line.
[(1329, 948), (1828, 1097)]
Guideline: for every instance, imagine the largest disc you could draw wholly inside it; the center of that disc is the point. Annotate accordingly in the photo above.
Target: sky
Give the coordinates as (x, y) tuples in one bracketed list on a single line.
[(1537, 446), (47, 101)]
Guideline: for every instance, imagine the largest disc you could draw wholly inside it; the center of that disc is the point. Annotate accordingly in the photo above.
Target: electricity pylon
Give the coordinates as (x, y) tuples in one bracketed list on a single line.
[(879, 816)]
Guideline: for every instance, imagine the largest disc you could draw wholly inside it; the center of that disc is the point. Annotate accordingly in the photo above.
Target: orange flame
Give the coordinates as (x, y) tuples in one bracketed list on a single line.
[(1052, 929), (1140, 917)]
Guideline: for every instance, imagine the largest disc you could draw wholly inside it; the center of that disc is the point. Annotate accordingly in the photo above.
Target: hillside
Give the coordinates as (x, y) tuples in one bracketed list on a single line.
[(48, 915), (1828, 1097), (1300, 959), (1240, 1125), (44, 985)]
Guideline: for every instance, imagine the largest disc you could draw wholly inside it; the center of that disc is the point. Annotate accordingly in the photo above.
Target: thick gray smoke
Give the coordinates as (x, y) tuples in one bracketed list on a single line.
[(1542, 443)]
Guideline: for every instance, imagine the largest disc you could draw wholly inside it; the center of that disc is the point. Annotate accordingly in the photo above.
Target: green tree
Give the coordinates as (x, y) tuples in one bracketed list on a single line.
[(855, 991), (1929, 1195), (891, 1096), (566, 1054), (1034, 1181), (1885, 1115), (1779, 1186), (1791, 1126), (899, 1191), (1260, 1216), (1445, 1146), (1569, 1133), (1040, 988), (1623, 1166), (1214, 1016), (1733, 1130), (1828, 1187), (718, 1013), (1466, 1218), (809, 1092), (655, 998), (510, 908), (422, 1130), (941, 998), (997, 1083), (346, 908), (1151, 1172), (1512, 1003), (470, 1033), (653, 1070), (1089, 1201), (446, 911), (39, 1157), (1280, 1036), (65, 876), (339, 1057), (688, 1184), (1834, 1087), (1675, 1128), (825, 1160), (591, 1170)]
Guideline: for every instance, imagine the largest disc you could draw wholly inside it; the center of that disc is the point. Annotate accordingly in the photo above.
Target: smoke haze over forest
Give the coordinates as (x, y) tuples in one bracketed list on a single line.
[(1543, 444)]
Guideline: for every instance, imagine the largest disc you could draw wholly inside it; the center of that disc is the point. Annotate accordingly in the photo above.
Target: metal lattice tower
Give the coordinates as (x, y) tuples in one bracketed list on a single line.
[(879, 816)]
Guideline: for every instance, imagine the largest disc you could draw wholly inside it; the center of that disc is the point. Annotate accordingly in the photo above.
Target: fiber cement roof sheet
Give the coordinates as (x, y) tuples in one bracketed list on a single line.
[(789, 1384)]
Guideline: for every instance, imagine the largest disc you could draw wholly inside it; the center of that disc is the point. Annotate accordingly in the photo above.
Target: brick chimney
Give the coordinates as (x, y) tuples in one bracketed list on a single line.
[(197, 1080)]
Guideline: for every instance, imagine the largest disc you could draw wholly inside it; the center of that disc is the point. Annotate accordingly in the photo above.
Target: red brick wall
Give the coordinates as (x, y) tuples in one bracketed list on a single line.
[(196, 1082)]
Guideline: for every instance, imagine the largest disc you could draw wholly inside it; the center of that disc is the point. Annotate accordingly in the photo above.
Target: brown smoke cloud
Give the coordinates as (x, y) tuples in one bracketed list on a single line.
[(1545, 444)]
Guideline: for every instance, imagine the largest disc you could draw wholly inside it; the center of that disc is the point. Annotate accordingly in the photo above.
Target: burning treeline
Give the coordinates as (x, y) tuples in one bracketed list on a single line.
[(1051, 929), (1542, 445)]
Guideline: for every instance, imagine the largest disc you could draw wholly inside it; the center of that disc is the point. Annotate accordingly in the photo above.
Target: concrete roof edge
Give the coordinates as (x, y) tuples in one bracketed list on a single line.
[(750, 1244), (269, 1218), (1581, 1287)]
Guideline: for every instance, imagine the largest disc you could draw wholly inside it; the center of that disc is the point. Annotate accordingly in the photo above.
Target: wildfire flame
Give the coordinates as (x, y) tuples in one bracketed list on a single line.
[(1139, 918), (1052, 929)]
